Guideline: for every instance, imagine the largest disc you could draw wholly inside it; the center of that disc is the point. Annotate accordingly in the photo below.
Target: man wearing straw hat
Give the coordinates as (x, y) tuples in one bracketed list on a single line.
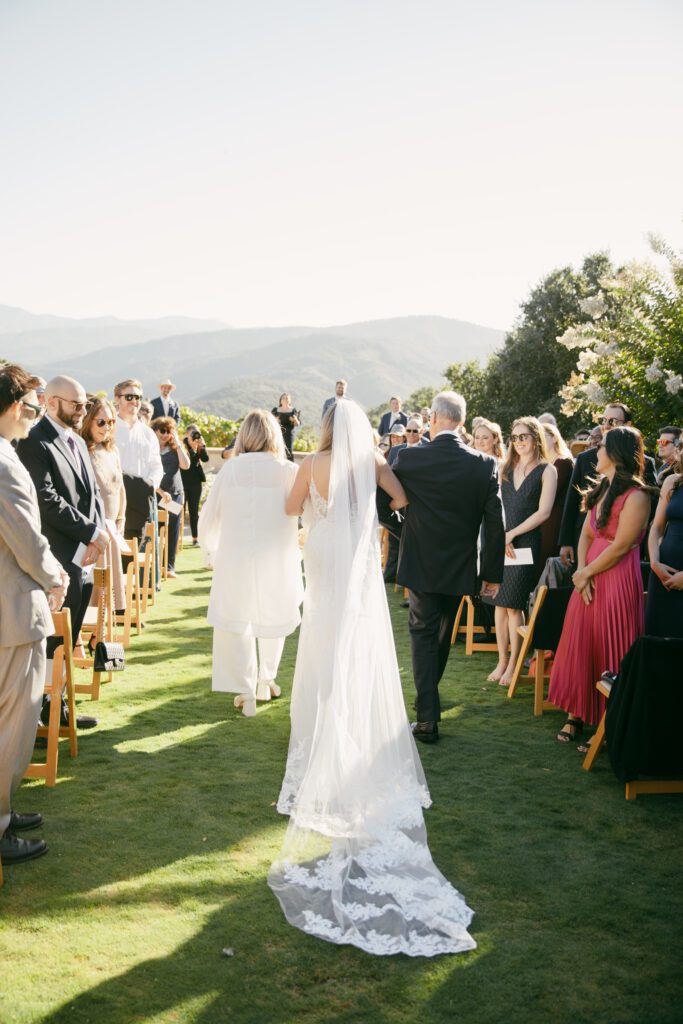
[(164, 405)]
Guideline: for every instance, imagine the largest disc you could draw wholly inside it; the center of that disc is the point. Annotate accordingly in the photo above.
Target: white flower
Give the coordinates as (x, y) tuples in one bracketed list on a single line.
[(654, 371), (674, 383), (571, 338), (605, 348), (587, 359), (594, 393), (594, 306)]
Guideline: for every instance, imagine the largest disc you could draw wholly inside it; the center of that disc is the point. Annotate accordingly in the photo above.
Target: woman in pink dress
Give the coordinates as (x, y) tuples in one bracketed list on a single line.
[(605, 613)]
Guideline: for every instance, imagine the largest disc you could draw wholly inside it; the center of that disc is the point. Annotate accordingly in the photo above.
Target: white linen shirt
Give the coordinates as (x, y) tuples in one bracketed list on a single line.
[(139, 451)]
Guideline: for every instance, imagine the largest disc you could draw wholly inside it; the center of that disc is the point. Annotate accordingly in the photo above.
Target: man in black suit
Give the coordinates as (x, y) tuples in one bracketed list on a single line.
[(393, 416), (453, 491), (57, 460), (616, 414), (164, 404)]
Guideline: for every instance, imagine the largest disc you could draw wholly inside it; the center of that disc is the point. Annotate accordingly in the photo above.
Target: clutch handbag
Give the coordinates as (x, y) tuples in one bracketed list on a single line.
[(109, 657)]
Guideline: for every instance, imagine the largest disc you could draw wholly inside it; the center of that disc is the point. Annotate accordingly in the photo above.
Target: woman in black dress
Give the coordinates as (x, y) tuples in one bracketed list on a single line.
[(194, 476), (664, 609), (528, 488), (173, 459), (560, 457), (288, 419)]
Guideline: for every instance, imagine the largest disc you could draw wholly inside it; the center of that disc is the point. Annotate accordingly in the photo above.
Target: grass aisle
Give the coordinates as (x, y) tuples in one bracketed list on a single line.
[(161, 833)]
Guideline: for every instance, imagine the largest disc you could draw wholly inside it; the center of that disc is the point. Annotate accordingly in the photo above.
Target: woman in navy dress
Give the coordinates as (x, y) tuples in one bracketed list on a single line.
[(664, 609)]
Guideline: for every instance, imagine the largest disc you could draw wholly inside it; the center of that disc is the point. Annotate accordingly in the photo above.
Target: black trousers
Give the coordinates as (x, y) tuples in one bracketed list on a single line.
[(430, 622), (77, 600), (193, 494)]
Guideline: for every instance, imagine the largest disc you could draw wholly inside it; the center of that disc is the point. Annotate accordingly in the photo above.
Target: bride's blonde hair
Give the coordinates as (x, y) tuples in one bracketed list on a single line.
[(327, 430), (260, 432)]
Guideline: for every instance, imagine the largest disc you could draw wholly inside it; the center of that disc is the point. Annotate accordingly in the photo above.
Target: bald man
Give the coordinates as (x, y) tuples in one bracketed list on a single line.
[(57, 460)]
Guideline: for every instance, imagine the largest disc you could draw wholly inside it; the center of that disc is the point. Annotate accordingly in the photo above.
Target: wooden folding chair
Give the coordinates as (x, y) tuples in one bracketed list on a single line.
[(384, 544), (181, 530), (135, 593), (98, 624), (542, 633), (598, 740), (472, 631), (148, 569), (62, 678), (457, 628), (163, 518)]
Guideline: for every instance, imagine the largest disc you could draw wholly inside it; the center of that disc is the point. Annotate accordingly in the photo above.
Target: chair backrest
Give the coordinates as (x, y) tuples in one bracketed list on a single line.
[(551, 619)]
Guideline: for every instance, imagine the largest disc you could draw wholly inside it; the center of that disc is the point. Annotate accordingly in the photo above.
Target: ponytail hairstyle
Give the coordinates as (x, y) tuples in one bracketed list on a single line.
[(624, 448)]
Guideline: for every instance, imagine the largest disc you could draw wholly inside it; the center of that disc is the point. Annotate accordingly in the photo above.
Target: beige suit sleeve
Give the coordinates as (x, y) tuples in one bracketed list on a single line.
[(19, 521)]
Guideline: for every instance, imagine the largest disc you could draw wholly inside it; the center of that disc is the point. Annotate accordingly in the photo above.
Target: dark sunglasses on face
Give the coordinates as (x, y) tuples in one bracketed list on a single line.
[(132, 398), (163, 432), (519, 437), (412, 430), (105, 423), (611, 421), (35, 409), (77, 405)]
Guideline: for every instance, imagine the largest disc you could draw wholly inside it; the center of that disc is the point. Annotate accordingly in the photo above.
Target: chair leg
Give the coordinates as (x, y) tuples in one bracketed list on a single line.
[(52, 755), (539, 682), (469, 635), (595, 746), (526, 643)]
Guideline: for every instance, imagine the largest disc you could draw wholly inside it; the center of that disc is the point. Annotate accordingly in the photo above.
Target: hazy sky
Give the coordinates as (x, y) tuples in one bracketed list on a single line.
[(322, 161)]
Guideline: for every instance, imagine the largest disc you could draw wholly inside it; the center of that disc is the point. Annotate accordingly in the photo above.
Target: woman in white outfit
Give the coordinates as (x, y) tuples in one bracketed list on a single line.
[(252, 546), (355, 866)]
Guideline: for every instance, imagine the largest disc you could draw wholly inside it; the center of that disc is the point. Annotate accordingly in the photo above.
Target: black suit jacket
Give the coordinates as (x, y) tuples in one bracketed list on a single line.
[(585, 470), (173, 410), (453, 492), (70, 508), (386, 420)]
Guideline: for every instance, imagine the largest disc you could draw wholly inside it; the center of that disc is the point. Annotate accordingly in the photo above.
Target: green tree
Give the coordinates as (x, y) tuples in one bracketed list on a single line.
[(216, 430)]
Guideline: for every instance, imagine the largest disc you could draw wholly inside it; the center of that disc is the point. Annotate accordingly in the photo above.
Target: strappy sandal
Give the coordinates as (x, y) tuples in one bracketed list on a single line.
[(568, 737)]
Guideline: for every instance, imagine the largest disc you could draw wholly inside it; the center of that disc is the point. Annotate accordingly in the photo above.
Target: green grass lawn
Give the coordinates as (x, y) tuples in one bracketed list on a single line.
[(162, 830)]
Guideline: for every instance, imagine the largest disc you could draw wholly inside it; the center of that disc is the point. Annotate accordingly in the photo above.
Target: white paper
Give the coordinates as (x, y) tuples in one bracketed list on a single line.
[(80, 555), (171, 506), (524, 556), (117, 538)]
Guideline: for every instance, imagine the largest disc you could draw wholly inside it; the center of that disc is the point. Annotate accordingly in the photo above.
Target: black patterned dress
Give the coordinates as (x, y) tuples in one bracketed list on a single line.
[(518, 504)]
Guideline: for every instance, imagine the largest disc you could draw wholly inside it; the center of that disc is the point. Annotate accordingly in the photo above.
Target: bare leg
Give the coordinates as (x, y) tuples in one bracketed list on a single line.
[(515, 619), (502, 639)]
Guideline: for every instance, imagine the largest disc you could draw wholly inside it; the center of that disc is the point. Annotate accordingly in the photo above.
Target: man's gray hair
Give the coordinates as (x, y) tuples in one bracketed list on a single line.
[(449, 405)]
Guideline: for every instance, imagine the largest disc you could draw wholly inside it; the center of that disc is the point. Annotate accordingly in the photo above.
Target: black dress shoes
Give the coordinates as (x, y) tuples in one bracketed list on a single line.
[(24, 822), (82, 721), (13, 849), (425, 732)]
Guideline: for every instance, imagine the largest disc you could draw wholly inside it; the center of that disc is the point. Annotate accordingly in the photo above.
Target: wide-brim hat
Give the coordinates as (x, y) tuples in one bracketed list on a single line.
[(166, 383)]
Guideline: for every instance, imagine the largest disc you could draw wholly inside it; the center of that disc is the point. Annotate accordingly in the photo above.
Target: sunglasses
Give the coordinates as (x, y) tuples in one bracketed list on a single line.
[(664, 441), (71, 401), (105, 423), (132, 398), (611, 421), (35, 409), (519, 437), (412, 430), (163, 432)]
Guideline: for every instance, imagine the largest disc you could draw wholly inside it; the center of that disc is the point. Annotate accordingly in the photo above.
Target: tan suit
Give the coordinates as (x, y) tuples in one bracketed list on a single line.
[(27, 570)]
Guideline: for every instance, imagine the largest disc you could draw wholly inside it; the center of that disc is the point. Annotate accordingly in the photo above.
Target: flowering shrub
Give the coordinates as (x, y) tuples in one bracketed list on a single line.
[(630, 347), (216, 431)]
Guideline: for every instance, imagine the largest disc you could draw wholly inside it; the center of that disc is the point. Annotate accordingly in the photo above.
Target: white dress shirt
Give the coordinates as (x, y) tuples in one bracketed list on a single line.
[(139, 451)]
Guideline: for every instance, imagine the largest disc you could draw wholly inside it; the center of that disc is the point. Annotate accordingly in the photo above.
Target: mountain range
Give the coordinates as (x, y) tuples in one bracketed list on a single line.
[(226, 370)]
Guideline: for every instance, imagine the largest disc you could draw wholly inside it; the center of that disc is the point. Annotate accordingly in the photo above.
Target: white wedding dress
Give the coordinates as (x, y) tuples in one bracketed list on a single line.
[(355, 866)]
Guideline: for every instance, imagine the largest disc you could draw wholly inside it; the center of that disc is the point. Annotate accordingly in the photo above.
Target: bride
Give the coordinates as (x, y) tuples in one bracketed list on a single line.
[(355, 867)]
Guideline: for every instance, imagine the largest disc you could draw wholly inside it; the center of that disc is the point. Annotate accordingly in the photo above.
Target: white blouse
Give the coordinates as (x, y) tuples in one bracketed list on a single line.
[(252, 544)]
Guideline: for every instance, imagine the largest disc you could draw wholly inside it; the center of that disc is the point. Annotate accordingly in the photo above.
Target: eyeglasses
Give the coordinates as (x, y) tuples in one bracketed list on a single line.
[(611, 421), (132, 398), (105, 423), (163, 432), (664, 441), (412, 430), (71, 401), (35, 409), (519, 437)]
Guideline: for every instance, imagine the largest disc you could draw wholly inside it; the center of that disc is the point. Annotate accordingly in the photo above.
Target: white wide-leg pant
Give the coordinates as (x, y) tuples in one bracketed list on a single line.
[(235, 667)]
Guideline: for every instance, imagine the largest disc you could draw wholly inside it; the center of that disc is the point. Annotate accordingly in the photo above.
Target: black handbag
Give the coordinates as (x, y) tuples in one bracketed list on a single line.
[(109, 657)]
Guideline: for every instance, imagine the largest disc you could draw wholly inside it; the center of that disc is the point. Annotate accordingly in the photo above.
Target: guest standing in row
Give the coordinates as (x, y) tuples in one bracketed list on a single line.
[(605, 612), (664, 611), (139, 455), (194, 476), (164, 404), (98, 433), (488, 438), (528, 489), (560, 457), (174, 458), (288, 418)]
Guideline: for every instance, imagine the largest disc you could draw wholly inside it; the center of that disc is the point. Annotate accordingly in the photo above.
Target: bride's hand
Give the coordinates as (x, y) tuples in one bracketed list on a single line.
[(397, 503)]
